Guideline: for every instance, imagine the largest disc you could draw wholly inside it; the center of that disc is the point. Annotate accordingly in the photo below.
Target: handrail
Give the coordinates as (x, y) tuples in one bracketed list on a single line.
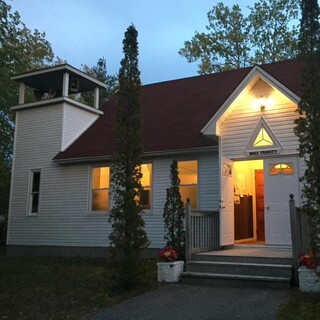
[(202, 230)]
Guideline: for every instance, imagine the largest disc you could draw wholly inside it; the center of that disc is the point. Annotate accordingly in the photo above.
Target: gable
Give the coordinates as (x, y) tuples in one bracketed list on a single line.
[(256, 85)]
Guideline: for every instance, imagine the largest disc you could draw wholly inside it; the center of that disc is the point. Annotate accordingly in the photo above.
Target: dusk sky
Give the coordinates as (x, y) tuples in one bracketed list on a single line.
[(82, 31)]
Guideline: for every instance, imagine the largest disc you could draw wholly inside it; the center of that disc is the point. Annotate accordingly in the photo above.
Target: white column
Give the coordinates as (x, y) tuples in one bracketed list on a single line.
[(65, 84), (96, 97), (22, 91)]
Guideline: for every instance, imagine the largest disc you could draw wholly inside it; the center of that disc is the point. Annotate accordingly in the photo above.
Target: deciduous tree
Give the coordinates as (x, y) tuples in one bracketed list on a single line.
[(234, 40), (99, 71)]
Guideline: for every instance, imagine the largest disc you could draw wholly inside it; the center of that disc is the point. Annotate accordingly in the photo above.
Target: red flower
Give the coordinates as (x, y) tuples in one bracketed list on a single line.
[(168, 254), (309, 260)]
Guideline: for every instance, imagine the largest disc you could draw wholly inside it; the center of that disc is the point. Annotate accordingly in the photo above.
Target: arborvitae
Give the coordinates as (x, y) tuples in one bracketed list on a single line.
[(128, 237), (173, 213), (308, 124)]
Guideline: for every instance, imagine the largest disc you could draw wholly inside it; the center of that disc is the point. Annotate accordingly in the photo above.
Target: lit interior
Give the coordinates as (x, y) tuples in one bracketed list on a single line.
[(188, 174), (146, 170), (101, 177), (244, 176), (100, 189), (281, 168)]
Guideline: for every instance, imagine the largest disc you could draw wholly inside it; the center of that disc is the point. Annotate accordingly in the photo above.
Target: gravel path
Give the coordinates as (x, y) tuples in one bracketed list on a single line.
[(183, 302)]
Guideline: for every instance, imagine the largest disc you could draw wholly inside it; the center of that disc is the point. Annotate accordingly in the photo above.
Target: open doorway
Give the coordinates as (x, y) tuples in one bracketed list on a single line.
[(249, 201)]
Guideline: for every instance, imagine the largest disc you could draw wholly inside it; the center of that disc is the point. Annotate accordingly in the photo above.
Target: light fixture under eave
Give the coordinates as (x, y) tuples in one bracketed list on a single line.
[(262, 102)]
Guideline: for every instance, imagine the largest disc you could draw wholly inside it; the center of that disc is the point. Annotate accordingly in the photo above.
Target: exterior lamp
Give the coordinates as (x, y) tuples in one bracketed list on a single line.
[(262, 103)]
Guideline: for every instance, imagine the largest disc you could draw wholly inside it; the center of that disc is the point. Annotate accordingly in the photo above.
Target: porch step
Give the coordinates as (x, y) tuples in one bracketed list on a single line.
[(243, 259), (220, 279), (241, 268)]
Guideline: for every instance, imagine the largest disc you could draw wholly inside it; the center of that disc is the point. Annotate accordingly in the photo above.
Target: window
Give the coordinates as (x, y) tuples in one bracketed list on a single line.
[(146, 182), (100, 188), (34, 196), (263, 139), (188, 174), (281, 168)]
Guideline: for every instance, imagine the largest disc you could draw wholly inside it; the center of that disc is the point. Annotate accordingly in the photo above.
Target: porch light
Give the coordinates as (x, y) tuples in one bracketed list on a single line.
[(262, 102)]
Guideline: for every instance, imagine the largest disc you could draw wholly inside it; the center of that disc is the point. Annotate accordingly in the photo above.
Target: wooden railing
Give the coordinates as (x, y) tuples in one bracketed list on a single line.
[(202, 230), (300, 235)]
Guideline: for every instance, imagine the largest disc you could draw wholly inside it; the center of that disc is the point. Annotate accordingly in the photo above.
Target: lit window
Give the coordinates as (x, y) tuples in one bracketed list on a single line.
[(100, 188), (188, 174), (281, 168), (34, 196), (146, 182), (263, 139)]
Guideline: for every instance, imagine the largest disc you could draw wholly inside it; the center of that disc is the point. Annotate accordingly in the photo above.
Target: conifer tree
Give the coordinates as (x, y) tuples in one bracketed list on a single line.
[(308, 124), (173, 213), (128, 237)]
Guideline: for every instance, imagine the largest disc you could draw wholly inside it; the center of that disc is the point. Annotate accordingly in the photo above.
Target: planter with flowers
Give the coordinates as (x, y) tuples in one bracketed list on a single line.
[(170, 269), (309, 272)]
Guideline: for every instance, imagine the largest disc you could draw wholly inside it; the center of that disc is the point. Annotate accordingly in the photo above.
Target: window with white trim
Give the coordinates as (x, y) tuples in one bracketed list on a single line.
[(34, 195), (100, 185), (188, 174)]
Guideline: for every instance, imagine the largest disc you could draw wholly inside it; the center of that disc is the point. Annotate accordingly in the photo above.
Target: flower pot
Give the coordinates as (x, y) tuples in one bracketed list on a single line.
[(309, 281), (170, 271)]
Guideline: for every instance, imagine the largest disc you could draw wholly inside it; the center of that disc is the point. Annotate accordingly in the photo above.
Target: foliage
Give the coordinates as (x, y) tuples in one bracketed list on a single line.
[(234, 40), (168, 254), (99, 72), (20, 50), (4, 199), (299, 306), (308, 125), (173, 213), (128, 237)]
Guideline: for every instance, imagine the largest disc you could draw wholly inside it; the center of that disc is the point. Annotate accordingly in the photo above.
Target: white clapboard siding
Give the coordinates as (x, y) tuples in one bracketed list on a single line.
[(64, 217), (75, 122), (238, 127), (209, 192)]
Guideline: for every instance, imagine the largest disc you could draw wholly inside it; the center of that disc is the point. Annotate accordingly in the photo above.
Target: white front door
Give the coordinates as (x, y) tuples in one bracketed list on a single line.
[(226, 203), (280, 180)]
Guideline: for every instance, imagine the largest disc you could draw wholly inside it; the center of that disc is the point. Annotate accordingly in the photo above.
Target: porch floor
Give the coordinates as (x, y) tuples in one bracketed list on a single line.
[(252, 251)]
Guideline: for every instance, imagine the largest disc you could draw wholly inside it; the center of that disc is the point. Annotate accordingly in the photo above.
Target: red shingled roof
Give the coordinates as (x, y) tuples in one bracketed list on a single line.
[(175, 111)]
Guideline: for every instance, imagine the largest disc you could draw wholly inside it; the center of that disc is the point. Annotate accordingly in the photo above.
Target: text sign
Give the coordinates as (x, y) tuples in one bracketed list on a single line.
[(262, 152)]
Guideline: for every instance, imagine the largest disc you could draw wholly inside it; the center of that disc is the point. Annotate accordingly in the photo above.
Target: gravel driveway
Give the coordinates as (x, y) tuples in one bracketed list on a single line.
[(183, 302)]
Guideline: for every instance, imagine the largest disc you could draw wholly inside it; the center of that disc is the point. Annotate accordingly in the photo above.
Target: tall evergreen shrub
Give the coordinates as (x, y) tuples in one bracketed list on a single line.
[(128, 237), (173, 214), (308, 125)]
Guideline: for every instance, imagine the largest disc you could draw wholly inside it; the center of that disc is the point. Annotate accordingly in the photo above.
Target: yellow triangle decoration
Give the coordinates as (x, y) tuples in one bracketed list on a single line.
[(263, 139)]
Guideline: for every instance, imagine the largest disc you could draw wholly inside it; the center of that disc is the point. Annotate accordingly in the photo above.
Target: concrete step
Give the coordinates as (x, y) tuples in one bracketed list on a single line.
[(240, 268), (242, 259), (220, 279)]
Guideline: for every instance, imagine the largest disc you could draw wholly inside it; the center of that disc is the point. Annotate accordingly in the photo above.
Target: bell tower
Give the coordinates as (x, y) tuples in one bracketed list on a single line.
[(50, 116)]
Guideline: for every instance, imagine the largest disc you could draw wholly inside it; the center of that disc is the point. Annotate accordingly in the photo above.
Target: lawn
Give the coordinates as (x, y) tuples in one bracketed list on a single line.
[(300, 306), (56, 288)]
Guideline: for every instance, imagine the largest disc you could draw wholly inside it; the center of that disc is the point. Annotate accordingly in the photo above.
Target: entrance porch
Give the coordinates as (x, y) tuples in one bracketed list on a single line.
[(241, 265), (208, 263)]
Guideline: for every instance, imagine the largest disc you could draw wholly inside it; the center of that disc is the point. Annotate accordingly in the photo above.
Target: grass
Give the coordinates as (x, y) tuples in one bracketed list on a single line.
[(300, 306), (56, 288)]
